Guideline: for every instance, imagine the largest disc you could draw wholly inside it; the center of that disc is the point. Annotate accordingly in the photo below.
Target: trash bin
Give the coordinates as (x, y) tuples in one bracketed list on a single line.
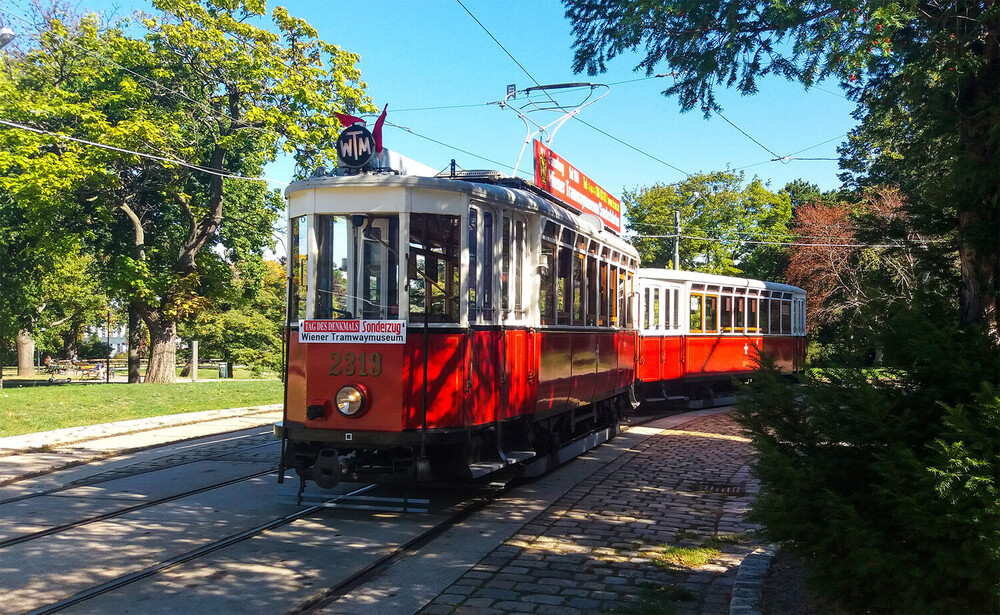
[(223, 370)]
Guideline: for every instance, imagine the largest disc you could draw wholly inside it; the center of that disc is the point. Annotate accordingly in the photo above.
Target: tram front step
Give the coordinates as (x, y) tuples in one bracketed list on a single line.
[(482, 468)]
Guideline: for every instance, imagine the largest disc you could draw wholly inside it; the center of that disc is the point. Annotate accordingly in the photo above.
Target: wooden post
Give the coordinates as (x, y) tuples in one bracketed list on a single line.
[(194, 360)]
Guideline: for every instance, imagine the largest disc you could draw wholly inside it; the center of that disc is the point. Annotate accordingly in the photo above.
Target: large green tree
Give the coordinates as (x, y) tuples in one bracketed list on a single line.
[(207, 89), (245, 327), (726, 227), (46, 276), (926, 75)]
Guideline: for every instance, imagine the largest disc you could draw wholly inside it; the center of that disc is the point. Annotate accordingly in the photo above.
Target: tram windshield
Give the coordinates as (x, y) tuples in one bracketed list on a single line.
[(357, 271)]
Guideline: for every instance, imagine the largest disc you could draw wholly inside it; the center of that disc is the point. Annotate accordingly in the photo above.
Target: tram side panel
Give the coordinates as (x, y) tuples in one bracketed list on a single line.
[(787, 352), (584, 367), (555, 371), (446, 370), (627, 346), (480, 385), (710, 354), (518, 377)]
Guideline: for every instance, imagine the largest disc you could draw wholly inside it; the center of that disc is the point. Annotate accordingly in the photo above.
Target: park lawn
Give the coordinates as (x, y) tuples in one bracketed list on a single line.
[(43, 408)]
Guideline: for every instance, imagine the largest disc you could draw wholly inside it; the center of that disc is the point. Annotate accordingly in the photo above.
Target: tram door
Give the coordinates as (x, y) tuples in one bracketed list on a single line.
[(514, 343), (482, 349)]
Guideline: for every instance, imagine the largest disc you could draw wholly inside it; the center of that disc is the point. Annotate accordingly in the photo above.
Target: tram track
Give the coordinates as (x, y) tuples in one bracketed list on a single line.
[(318, 602), (167, 462), (186, 557), (124, 511), (413, 537)]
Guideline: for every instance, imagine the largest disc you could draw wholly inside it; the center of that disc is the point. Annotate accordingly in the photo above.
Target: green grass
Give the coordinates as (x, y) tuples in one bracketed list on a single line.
[(685, 557), (43, 408), (657, 600)]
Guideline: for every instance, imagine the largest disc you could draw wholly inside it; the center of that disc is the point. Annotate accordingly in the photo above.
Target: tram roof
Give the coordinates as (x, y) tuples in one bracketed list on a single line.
[(517, 197), (696, 277)]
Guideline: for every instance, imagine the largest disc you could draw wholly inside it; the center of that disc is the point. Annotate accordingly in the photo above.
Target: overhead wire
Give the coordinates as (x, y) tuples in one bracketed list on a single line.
[(530, 76), (788, 243), (135, 153)]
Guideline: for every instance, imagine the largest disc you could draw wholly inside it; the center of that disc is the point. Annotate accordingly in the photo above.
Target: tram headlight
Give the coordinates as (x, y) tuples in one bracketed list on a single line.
[(351, 400)]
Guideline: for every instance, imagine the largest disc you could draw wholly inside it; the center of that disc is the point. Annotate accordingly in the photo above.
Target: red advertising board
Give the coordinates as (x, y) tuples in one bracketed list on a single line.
[(563, 181)]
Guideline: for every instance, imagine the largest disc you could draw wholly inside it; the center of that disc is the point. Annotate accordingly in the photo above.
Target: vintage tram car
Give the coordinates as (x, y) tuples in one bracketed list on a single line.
[(444, 328), (700, 332), (449, 326)]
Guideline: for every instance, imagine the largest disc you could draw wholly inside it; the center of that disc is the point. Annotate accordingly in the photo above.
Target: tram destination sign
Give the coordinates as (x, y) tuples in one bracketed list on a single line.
[(563, 181), (348, 331)]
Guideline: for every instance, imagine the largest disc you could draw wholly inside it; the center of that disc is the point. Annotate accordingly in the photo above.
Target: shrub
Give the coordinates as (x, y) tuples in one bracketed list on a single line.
[(886, 480)]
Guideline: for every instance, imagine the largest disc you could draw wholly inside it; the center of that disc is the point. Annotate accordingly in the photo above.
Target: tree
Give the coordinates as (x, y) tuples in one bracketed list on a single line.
[(246, 328), (926, 75), (46, 277), (723, 228), (207, 89)]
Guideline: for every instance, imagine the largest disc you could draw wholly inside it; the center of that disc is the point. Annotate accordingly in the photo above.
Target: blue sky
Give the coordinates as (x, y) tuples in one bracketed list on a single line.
[(438, 69), (416, 56)]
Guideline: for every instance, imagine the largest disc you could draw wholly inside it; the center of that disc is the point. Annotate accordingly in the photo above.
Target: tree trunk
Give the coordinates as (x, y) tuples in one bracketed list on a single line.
[(25, 353), (134, 343), (162, 347)]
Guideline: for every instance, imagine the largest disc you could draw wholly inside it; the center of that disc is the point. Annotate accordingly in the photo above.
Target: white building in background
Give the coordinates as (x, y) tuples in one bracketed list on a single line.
[(118, 340)]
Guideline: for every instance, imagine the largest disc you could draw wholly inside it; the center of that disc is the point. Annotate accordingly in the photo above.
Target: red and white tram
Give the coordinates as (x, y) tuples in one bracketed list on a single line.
[(444, 328), (700, 331), (454, 325)]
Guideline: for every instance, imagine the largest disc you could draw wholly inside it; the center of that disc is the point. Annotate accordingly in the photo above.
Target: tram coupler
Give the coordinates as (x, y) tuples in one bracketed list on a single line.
[(326, 471)]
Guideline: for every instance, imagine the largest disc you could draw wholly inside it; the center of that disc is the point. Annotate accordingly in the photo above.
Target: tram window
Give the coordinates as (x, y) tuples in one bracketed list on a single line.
[(434, 267), (510, 275), (711, 313), (786, 317), (602, 319), (697, 312), (646, 307), (486, 260), (579, 288), (741, 313), (764, 315), (564, 285), (622, 297), (518, 283), (613, 296), (547, 290), (656, 308), (727, 313), (473, 262), (775, 324), (550, 230), (753, 304), (627, 301), (676, 303), (300, 260), (505, 266), (331, 282), (593, 291), (378, 294)]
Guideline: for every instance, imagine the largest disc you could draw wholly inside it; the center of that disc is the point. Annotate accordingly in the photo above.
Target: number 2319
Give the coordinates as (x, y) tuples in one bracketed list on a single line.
[(356, 364)]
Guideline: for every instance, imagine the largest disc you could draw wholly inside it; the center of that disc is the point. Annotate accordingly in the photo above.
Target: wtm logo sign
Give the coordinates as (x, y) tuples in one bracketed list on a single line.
[(355, 146)]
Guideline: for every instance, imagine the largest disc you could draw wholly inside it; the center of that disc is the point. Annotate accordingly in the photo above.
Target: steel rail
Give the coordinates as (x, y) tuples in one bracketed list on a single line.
[(217, 545), (75, 484), (124, 511)]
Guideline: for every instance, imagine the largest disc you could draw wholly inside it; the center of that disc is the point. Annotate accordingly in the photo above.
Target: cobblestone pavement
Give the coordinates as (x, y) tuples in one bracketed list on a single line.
[(601, 548)]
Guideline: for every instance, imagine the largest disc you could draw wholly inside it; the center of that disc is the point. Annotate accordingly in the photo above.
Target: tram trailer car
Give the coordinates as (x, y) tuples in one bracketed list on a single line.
[(701, 332), (445, 328)]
